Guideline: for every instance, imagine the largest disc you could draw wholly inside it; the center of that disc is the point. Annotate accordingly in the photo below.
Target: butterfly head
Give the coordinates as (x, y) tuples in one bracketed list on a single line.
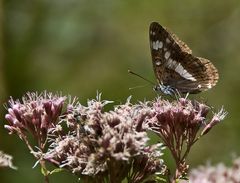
[(167, 90)]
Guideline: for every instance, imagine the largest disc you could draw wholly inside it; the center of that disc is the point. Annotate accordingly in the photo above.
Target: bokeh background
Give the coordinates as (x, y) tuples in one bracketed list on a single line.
[(81, 46)]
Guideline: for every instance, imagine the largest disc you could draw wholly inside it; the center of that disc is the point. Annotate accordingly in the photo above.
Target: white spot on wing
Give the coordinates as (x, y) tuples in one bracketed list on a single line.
[(157, 44), (188, 76), (160, 45), (158, 63), (152, 33), (172, 64), (209, 85), (154, 45), (167, 55)]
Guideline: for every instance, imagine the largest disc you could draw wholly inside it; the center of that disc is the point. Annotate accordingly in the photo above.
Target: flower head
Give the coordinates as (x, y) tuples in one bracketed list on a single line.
[(110, 145), (99, 142), (35, 114), (219, 173), (178, 123)]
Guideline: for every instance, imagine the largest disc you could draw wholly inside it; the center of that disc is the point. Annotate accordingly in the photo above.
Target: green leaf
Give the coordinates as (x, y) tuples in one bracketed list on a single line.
[(56, 170), (44, 171), (160, 179)]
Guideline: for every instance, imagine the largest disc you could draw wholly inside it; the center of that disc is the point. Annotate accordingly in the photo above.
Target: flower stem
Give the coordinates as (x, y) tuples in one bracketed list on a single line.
[(43, 166)]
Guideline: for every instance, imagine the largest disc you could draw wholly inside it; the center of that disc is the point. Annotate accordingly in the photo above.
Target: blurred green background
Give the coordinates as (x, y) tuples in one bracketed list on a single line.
[(81, 46)]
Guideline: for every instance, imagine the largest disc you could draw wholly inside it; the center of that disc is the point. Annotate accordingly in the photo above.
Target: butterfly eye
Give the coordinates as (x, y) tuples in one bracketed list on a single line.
[(156, 88)]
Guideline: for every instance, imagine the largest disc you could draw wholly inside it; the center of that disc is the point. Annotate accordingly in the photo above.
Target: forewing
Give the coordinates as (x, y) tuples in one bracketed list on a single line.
[(164, 44), (157, 37)]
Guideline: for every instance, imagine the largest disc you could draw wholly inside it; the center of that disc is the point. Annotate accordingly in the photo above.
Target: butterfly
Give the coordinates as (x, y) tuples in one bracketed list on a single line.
[(176, 69)]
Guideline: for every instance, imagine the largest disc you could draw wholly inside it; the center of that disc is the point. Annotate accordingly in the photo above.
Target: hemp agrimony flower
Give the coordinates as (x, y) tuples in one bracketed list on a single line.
[(177, 123), (99, 143), (102, 146), (219, 173), (34, 115)]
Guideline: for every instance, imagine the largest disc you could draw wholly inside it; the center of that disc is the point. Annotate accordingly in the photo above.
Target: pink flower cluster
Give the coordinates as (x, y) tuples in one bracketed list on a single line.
[(99, 145), (219, 173)]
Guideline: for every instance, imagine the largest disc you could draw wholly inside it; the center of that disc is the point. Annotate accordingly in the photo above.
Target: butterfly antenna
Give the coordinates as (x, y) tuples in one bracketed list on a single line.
[(135, 87), (133, 73)]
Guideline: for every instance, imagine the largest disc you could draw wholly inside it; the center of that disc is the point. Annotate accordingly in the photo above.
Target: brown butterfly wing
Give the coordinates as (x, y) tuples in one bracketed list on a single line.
[(175, 66), (202, 70)]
